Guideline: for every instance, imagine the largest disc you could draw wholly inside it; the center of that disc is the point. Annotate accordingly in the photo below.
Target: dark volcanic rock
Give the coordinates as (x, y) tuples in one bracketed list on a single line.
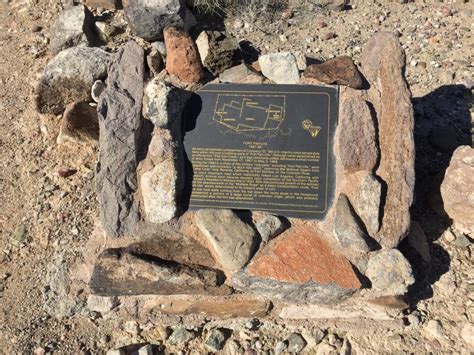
[(69, 76), (166, 263), (119, 111), (340, 71), (383, 64), (74, 27), (218, 52), (148, 18)]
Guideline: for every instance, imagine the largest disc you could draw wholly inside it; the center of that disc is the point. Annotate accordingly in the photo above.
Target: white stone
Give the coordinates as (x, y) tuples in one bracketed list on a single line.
[(282, 68), (97, 88), (101, 304), (300, 60)]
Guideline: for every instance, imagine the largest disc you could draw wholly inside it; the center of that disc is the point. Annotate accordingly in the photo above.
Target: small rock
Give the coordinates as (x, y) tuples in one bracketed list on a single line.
[(242, 73), (462, 241), (216, 340), (340, 70), (446, 11), (296, 343), (282, 68), (145, 350), (232, 240), (155, 61), (149, 18), (105, 31), (321, 24), (232, 347), (300, 60), (329, 35), (269, 227), (325, 349), (97, 88), (390, 273), (101, 304), (446, 76), (346, 227), (253, 324), (449, 236), (116, 352), (467, 334), (65, 173), (182, 58), (74, 27), (132, 327), (160, 47), (434, 329), (20, 235), (69, 76), (218, 51), (36, 28), (163, 103), (414, 319), (280, 347), (181, 335), (80, 124), (418, 240), (457, 189)]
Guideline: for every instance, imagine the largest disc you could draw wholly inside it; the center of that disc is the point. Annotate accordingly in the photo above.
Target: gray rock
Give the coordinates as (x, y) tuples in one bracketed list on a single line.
[(241, 74), (119, 111), (280, 347), (145, 350), (462, 241), (296, 343), (281, 68), (366, 201), (69, 76), (390, 273), (181, 335), (160, 47), (19, 236), (301, 60), (216, 340), (162, 103), (158, 188), (79, 124), (346, 227), (148, 18), (74, 27), (155, 61), (97, 89), (101, 304), (269, 227), (218, 51), (232, 240), (356, 125)]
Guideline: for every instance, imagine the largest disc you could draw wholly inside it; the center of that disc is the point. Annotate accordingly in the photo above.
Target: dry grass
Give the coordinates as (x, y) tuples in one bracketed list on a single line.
[(252, 8)]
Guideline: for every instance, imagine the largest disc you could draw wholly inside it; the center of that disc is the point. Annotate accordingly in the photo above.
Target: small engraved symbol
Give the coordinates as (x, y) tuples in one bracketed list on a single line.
[(312, 129)]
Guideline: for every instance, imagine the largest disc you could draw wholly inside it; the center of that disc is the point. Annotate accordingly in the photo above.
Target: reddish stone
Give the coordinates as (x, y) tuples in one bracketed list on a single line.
[(182, 56), (383, 63), (300, 255), (340, 70)]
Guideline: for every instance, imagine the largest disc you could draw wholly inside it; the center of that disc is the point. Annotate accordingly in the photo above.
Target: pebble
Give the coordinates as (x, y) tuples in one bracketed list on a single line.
[(97, 88), (65, 173), (329, 35), (216, 340), (181, 335), (36, 28), (434, 329), (462, 241), (280, 347), (449, 236), (19, 235), (131, 327), (253, 324), (296, 343)]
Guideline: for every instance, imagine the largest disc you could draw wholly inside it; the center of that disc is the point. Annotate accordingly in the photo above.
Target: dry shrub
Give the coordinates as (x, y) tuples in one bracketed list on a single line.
[(250, 8)]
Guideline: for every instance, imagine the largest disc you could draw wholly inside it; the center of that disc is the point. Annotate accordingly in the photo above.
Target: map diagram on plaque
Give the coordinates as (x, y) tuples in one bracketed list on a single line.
[(245, 113)]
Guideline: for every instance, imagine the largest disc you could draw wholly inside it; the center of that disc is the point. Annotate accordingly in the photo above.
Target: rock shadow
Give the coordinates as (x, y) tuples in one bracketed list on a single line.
[(442, 123)]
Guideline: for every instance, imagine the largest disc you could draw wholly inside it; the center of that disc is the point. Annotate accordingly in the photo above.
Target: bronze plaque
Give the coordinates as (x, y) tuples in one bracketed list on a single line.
[(262, 148)]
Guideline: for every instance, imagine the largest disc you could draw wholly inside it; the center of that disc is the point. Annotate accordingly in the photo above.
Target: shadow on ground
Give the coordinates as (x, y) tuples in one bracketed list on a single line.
[(442, 123)]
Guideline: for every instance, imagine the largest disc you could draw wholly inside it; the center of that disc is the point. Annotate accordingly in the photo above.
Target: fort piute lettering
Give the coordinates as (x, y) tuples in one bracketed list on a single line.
[(261, 147)]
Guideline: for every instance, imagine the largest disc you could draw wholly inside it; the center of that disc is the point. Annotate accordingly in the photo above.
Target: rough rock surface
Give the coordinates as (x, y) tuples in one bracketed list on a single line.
[(218, 52), (390, 273), (366, 198), (182, 56), (69, 76), (357, 137), (148, 18), (120, 123), (101, 304), (280, 67), (158, 184), (164, 263), (457, 189), (242, 73), (74, 27), (340, 71), (232, 240), (104, 4), (155, 61), (269, 227), (299, 266), (79, 124), (162, 103), (347, 229), (383, 63)]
